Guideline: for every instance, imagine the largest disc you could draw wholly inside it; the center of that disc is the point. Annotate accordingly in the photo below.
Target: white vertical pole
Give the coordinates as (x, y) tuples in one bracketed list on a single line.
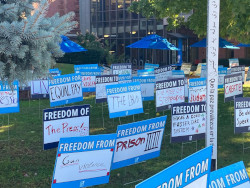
[(212, 76)]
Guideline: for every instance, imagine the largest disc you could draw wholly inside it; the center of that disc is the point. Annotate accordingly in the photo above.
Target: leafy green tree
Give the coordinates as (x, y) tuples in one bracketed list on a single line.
[(234, 15), (30, 40)]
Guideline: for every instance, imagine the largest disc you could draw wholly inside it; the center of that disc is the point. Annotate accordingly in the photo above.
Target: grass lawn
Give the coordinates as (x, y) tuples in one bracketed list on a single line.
[(23, 163)]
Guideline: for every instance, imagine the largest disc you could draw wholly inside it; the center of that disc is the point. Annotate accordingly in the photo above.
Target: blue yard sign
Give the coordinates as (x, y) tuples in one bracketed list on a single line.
[(65, 89), (88, 79), (147, 87), (55, 72), (139, 141), (146, 72), (222, 72), (78, 68), (126, 78), (151, 66), (233, 176), (124, 99), (83, 161), (191, 172), (197, 90), (9, 100), (178, 74)]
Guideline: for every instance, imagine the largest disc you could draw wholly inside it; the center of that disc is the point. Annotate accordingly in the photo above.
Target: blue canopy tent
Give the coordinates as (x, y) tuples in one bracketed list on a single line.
[(243, 45), (69, 46), (153, 42), (222, 44)]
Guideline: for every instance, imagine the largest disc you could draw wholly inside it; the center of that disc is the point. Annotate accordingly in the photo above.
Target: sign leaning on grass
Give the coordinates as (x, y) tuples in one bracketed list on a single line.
[(121, 68), (241, 117), (163, 73), (191, 172), (188, 122), (83, 161), (139, 141), (64, 122), (147, 87), (65, 89), (39, 89), (78, 68), (197, 90), (233, 87), (169, 92), (88, 79), (9, 97), (233, 176), (124, 99), (101, 83)]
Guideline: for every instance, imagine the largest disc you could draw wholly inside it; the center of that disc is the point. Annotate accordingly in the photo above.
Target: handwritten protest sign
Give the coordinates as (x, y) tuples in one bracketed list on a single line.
[(163, 73), (197, 90), (147, 86), (222, 72), (191, 172), (233, 62), (124, 78), (88, 79), (239, 69), (39, 89), (188, 122), (169, 92), (121, 68), (64, 122), (233, 176), (241, 115), (101, 83), (78, 68), (65, 89), (151, 66), (124, 99), (186, 67), (233, 87), (139, 141), (83, 161), (146, 72), (9, 98)]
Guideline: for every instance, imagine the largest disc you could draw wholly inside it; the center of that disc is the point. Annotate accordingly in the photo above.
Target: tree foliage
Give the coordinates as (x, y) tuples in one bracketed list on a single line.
[(234, 15), (30, 40)]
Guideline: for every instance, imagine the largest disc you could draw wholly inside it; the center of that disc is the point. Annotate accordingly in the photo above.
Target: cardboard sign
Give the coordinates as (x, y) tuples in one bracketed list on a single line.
[(83, 161), (64, 122), (124, 99), (139, 141), (121, 68), (169, 92), (198, 69), (147, 87), (188, 122), (178, 74), (65, 89), (222, 72), (147, 72), (197, 90), (241, 115), (39, 89), (248, 74), (186, 67), (55, 72), (239, 69), (191, 172), (233, 87), (123, 79), (203, 71), (101, 83), (78, 68), (233, 176), (88, 79), (9, 99), (233, 62), (163, 73), (151, 66)]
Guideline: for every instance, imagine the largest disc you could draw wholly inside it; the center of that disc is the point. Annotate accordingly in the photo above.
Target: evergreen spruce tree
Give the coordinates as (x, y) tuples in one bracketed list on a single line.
[(29, 41)]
